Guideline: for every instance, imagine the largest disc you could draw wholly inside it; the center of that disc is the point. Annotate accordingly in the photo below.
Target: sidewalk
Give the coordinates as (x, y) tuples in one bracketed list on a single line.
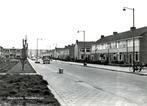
[(112, 68)]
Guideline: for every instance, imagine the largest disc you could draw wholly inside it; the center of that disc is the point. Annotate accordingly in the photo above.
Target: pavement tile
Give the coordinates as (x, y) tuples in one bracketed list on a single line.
[(77, 93), (85, 95)]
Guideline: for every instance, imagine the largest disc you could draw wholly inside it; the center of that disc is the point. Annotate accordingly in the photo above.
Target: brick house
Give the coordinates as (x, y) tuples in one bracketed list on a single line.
[(79, 50), (71, 51), (118, 47)]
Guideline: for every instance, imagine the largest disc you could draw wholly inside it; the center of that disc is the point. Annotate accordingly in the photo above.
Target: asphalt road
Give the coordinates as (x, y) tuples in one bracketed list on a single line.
[(110, 86)]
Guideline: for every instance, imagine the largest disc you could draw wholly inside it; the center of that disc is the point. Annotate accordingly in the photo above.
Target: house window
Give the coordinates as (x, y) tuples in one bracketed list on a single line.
[(124, 44), (136, 42), (98, 47), (82, 50), (101, 46), (130, 43), (87, 49), (121, 44), (117, 45), (113, 45), (93, 49)]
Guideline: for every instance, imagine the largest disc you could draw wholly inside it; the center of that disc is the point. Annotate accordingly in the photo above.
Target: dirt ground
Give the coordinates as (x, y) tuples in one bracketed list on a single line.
[(5, 66), (25, 89)]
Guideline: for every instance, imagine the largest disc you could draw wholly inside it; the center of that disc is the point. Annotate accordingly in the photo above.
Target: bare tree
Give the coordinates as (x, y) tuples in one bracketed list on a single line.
[(24, 53)]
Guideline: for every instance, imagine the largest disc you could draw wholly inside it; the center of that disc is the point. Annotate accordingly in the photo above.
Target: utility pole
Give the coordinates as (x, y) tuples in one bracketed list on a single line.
[(132, 30), (85, 64)]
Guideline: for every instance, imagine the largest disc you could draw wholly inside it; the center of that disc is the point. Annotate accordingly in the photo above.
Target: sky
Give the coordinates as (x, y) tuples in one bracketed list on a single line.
[(56, 22)]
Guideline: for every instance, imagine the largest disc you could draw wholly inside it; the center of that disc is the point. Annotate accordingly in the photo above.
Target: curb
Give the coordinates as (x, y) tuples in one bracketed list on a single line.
[(141, 74), (120, 71), (32, 66)]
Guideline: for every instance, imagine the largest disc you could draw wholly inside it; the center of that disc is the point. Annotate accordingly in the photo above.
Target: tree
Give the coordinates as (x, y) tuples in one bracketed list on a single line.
[(24, 54)]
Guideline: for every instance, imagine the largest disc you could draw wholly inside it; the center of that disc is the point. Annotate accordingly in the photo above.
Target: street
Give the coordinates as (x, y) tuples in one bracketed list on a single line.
[(87, 86)]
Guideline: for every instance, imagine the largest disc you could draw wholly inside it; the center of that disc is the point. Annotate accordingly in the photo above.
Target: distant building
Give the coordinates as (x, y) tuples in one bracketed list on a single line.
[(118, 47), (79, 50), (12, 52), (52, 53), (1, 51), (32, 53), (61, 53), (66, 53), (71, 51)]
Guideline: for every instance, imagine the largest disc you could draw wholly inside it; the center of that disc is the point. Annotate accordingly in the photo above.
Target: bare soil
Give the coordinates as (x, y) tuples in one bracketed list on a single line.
[(24, 90), (5, 66)]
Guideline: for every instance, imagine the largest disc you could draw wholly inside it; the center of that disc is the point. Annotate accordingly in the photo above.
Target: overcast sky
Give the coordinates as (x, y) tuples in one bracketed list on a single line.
[(57, 21)]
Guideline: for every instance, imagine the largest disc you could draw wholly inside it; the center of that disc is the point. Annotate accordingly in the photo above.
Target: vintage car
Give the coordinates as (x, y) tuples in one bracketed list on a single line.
[(46, 59)]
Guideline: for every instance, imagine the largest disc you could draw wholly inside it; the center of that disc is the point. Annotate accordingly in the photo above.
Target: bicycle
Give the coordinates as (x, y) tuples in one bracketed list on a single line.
[(138, 67)]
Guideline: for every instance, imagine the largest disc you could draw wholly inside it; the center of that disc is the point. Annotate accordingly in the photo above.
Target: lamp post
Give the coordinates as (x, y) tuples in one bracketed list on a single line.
[(132, 29), (37, 51), (84, 46), (55, 55)]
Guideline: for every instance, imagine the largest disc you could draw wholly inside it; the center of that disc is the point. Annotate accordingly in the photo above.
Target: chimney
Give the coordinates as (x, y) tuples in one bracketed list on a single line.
[(132, 28), (102, 36), (115, 33)]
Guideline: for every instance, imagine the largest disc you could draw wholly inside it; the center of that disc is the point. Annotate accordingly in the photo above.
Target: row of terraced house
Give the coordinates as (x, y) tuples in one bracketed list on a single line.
[(10, 52), (115, 48)]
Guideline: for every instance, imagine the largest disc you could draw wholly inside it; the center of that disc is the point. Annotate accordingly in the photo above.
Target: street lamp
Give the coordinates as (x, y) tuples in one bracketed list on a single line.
[(84, 46), (132, 29), (37, 51), (55, 55)]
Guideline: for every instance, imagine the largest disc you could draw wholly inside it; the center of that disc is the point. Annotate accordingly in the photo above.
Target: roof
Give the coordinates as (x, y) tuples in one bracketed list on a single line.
[(12, 48), (1, 47), (81, 43), (123, 35), (59, 48)]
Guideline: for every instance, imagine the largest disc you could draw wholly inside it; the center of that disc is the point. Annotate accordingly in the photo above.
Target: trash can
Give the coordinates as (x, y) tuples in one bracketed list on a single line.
[(85, 64), (60, 70)]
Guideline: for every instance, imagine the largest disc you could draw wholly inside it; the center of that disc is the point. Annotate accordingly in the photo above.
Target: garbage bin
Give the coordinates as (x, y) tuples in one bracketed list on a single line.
[(60, 70), (85, 64)]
